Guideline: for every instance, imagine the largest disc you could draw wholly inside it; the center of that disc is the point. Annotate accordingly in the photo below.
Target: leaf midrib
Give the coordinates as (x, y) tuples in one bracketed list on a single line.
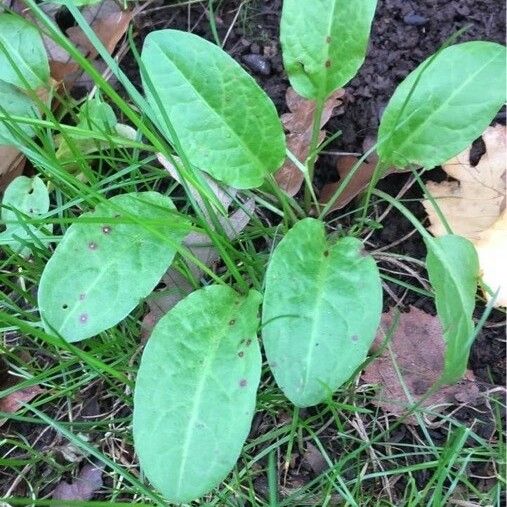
[(443, 104), (258, 162)]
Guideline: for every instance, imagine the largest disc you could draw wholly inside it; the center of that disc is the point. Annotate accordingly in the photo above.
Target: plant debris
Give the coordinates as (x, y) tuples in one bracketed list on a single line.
[(298, 124), (417, 347), (86, 484)]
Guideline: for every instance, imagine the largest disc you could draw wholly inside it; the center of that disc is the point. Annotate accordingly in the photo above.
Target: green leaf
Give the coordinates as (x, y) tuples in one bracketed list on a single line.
[(23, 42), (443, 105), (195, 391), (453, 269), (225, 123), (14, 103), (321, 310), (324, 43), (30, 197), (106, 263)]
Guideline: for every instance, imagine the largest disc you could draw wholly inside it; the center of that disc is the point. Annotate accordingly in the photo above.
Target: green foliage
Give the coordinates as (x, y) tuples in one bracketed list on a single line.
[(23, 58), (106, 263), (324, 43), (14, 103), (443, 105), (195, 391), (24, 198), (453, 269), (321, 310), (225, 123)]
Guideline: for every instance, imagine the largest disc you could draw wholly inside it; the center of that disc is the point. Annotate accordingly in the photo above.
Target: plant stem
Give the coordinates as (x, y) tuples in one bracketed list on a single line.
[(312, 149)]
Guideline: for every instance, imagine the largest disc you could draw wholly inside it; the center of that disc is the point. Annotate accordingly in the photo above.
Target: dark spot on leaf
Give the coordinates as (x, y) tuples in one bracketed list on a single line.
[(83, 318), (328, 63), (117, 216), (248, 342), (106, 229), (232, 322), (326, 253), (242, 382), (30, 210), (355, 338), (65, 306), (82, 296), (316, 344), (92, 245), (328, 39), (241, 353)]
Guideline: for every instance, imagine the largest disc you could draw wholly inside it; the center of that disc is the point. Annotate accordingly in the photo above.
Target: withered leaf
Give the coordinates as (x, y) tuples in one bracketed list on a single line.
[(474, 206), (298, 124), (86, 484), (417, 346)]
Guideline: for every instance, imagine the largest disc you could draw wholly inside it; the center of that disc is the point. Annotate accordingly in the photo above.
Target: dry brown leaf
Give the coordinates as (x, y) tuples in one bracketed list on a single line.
[(13, 402), (109, 23), (417, 345), (12, 163), (474, 206), (298, 124), (474, 202), (86, 484), (357, 183)]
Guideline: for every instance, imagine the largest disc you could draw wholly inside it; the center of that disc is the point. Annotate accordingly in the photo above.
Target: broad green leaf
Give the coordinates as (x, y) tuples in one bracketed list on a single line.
[(14, 103), (195, 391), (324, 43), (321, 310), (453, 269), (443, 105), (225, 123), (23, 43), (106, 263), (30, 197)]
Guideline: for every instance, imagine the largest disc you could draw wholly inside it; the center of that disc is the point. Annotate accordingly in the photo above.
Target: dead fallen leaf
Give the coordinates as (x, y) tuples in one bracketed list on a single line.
[(357, 183), (298, 124), (492, 248), (474, 206), (474, 202), (14, 401), (12, 163), (86, 484), (109, 23), (418, 347)]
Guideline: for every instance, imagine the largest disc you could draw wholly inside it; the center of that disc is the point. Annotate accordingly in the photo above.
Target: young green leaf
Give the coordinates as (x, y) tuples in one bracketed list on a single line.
[(106, 263), (23, 43), (324, 43), (29, 196), (225, 123), (195, 391), (14, 103), (443, 105), (453, 269), (321, 310)]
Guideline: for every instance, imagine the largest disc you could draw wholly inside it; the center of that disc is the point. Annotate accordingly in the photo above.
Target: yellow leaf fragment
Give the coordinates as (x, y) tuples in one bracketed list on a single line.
[(474, 202), (491, 248), (474, 207)]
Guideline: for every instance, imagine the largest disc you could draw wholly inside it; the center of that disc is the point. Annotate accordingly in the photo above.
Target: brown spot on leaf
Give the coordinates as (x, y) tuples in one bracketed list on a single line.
[(92, 245), (328, 39), (241, 353), (242, 382), (232, 322), (106, 229), (83, 318), (326, 253), (248, 342), (328, 63), (82, 296), (354, 338)]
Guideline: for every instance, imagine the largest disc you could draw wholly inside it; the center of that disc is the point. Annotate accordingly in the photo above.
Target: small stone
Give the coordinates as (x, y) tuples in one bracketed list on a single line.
[(255, 49), (415, 19), (257, 64)]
